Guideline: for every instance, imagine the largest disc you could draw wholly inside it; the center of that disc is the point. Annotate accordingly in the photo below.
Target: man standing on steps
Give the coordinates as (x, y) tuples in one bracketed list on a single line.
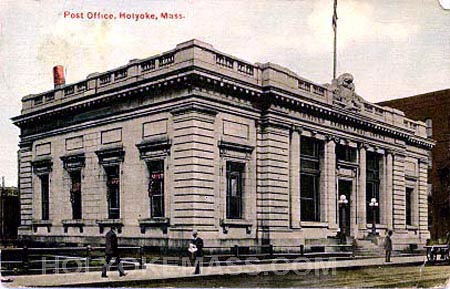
[(111, 250), (388, 246)]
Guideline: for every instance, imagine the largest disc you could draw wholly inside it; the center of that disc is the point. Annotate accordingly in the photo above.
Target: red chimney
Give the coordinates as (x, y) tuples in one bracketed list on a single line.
[(58, 75)]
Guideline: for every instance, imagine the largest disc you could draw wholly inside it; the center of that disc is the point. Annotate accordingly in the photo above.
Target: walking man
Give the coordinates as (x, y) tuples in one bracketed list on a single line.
[(111, 250), (197, 243), (388, 246)]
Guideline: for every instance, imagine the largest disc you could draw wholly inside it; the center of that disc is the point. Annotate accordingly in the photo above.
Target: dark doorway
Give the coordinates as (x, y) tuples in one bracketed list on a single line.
[(345, 188)]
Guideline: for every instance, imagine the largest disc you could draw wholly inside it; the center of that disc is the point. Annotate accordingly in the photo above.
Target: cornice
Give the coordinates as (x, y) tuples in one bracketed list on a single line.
[(266, 99)]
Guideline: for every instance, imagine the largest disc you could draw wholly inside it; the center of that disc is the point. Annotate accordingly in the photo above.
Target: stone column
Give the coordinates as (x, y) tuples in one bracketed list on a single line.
[(330, 181), (294, 179), (361, 199), (388, 193)]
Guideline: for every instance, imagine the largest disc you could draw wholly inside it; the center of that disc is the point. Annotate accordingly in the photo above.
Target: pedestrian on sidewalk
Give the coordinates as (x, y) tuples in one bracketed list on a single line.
[(111, 251), (388, 246), (196, 249)]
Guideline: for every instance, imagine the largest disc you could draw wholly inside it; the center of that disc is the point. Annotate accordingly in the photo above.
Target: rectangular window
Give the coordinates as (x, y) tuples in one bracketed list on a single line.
[(409, 196), (372, 186), (156, 188), (75, 195), (235, 189), (345, 153), (45, 197), (309, 180), (113, 191)]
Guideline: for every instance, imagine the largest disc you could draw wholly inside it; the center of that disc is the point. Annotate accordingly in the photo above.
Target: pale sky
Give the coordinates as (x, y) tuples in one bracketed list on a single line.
[(393, 48)]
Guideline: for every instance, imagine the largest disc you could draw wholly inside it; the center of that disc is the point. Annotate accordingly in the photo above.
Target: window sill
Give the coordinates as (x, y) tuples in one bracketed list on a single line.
[(412, 227), (77, 223), (41, 223), (311, 224), (118, 223), (347, 163), (236, 223), (377, 226), (411, 177), (73, 222), (162, 222)]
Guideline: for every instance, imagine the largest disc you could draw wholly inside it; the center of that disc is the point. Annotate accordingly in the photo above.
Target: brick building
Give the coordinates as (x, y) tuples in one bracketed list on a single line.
[(9, 213), (195, 138), (434, 109)]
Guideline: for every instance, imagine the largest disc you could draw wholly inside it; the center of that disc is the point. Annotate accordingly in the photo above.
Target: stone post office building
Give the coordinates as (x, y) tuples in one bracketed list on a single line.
[(194, 138)]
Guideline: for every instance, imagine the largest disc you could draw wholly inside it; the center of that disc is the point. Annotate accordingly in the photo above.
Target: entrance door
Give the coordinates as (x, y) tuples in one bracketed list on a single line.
[(345, 188)]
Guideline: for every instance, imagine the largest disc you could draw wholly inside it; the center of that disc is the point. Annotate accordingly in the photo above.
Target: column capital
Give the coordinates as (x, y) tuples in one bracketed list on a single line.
[(332, 138), (297, 128), (362, 145)]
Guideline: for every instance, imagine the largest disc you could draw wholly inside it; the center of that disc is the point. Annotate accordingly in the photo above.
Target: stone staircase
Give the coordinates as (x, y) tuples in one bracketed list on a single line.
[(369, 248)]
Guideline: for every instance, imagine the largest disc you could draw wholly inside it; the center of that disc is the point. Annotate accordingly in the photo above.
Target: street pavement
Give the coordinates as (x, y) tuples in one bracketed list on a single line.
[(165, 272)]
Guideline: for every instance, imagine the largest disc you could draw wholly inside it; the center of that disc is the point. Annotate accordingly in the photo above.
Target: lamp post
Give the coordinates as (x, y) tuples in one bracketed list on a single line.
[(373, 206), (342, 206)]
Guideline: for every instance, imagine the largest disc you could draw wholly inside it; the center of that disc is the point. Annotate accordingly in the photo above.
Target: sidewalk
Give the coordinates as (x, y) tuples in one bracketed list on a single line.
[(164, 272)]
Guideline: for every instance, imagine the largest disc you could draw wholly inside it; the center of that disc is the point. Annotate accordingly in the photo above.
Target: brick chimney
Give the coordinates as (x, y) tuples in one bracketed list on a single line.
[(58, 76)]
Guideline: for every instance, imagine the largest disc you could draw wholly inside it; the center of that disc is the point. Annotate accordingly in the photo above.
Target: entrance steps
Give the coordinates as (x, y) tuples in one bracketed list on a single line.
[(369, 248)]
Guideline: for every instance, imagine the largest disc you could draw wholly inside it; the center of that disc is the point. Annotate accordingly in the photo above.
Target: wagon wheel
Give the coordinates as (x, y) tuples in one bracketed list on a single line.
[(431, 255), (428, 254)]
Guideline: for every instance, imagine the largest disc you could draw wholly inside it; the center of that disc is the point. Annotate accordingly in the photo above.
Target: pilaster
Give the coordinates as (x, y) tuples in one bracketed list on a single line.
[(423, 199), (330, 181), (361, 199), (388, 196), (294, 172)]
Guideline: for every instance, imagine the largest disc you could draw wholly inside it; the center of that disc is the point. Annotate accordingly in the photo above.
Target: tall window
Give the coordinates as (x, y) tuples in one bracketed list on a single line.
[(309, 180), (372, 185), (235, 189), (45, 198), (75, 195), (409, 196), (429, 127), (156, 188), (113, 191)]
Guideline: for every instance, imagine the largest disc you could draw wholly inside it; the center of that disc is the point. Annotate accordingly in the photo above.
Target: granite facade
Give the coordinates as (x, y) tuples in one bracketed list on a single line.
[(195, 138)]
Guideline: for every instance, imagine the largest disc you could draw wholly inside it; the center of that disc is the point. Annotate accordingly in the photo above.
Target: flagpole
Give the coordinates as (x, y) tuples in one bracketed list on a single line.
[(334, 22), (334, 55)]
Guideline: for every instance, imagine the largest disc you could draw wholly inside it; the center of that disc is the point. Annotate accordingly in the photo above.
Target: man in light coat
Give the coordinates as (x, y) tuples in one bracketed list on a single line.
[(198, 253)]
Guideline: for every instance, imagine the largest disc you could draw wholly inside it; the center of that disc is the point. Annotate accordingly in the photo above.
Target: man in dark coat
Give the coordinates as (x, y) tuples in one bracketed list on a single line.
[(198, 254), (388, 246), (111, 250)]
